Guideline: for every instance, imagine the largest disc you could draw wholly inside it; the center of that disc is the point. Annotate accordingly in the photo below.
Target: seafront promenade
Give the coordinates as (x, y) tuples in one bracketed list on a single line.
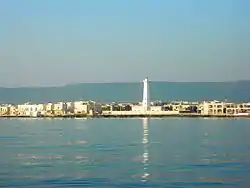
[(180, 115), (144, 108)]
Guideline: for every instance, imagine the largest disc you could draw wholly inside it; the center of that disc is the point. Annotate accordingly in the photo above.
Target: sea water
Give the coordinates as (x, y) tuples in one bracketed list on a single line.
[(170, 152)]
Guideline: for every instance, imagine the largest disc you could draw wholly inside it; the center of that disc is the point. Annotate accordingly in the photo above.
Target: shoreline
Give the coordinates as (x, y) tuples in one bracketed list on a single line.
[(127, 116)]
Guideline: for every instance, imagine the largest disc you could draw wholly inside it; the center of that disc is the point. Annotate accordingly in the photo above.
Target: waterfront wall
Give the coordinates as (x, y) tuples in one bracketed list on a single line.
[(94, 109), (134, 113)]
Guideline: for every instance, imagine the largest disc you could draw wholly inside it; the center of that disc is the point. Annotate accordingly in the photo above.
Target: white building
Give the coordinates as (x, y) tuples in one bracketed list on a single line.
[(81, 107), (70, 107), (224, 108), (28, 109), (137, 108), (156, 108), (212, 108), (59, 108), (4, 110), (49, 107), (13, 111)]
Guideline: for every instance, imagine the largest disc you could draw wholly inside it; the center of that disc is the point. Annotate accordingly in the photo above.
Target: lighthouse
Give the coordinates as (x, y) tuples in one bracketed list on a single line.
[(145, 100)]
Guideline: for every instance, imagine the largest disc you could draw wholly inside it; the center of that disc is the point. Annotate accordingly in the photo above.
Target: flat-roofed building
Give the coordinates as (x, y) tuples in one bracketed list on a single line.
[(224, 108), (156, 108), (81, 107), (4, 110), (28, 109), (59, 108)]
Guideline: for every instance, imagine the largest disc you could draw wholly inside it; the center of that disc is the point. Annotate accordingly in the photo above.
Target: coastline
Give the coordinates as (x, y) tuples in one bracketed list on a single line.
[(128, 116)]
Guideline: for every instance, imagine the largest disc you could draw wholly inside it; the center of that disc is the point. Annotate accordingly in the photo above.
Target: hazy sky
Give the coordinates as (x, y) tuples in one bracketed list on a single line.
[(45, 42)]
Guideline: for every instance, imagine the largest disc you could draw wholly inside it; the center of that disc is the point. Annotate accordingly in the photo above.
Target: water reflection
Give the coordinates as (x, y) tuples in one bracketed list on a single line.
[(145, 155)]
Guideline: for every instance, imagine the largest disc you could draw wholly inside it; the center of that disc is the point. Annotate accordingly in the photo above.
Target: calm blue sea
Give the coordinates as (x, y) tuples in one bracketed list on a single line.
[(170, 152)]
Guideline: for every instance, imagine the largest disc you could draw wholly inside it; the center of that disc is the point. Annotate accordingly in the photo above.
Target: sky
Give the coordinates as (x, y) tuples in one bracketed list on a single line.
[(44, 42)]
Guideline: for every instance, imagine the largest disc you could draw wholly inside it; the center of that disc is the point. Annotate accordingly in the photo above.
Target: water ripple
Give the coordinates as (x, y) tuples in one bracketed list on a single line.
[(175, 153)]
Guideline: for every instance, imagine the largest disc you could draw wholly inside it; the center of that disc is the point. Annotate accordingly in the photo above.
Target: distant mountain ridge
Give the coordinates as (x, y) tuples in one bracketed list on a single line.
[(124, 92), (77, 84)]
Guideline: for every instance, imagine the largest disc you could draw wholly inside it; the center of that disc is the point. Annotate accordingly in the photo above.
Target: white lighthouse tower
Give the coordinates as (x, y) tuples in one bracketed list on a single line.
[(146, 100)]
